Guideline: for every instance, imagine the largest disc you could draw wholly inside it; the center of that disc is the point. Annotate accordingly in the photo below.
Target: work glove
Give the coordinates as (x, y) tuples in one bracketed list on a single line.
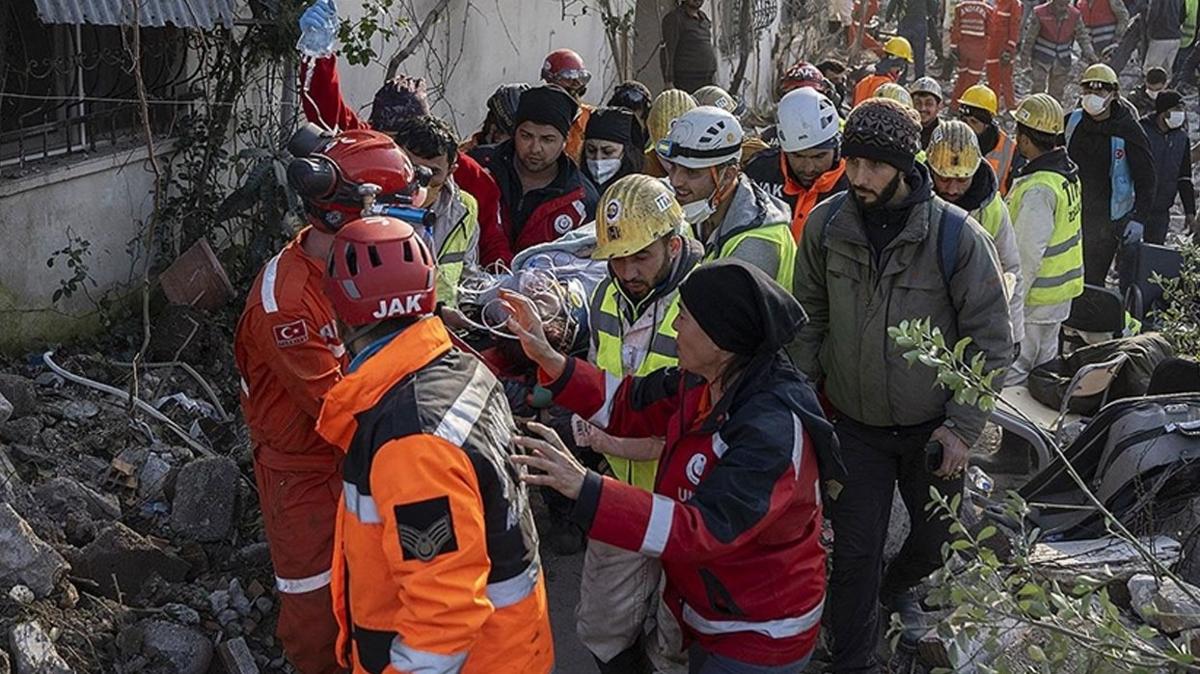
[(318, 29), (1133, 233), (1006, 57)]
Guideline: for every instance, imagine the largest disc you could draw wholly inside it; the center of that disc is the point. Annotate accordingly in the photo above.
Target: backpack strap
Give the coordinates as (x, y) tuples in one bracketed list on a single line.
[(835, 205), (949, 232)]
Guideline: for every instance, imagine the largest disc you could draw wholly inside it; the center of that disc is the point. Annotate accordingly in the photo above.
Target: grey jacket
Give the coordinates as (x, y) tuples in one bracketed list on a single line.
[(851, 302), (751, 207)]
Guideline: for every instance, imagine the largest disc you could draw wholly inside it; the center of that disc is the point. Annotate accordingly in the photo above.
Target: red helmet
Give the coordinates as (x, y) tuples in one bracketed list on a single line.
[(802, 74), (379, 268), (332, 177), (565, 68)]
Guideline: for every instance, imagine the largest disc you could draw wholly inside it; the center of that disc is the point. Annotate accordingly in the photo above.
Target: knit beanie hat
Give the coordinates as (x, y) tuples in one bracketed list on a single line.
[(740, 308), (613, 124), (402, 98), (547, 104), (1167, 99), (883, 130)]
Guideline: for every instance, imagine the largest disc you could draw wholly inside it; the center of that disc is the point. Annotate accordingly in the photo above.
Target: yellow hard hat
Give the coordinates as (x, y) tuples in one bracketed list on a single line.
[(1098, 72), (899, 47), (895, 92), (953, 150), (1040, 112), (634, 212), (666, 107), (716, 97), (980, 96)]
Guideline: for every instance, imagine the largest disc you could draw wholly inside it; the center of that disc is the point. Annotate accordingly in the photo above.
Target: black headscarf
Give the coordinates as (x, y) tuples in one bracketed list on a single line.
[(616, 125), (740, 308), (547, 104)]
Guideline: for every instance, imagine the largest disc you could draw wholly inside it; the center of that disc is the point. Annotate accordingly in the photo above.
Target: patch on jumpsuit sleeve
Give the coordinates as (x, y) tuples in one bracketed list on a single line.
[(426, 529)]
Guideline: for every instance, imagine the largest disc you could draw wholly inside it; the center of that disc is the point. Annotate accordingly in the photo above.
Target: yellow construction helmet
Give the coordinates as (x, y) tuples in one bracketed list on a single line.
[(899, 47), (716, 97), (980, 96), (1040, 112), (667, 106), (1098, 72), (953, 150), (634, 212), (895, 92)]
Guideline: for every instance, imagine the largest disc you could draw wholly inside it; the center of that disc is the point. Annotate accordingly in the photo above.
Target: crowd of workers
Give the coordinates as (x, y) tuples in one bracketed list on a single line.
[(745, 271)]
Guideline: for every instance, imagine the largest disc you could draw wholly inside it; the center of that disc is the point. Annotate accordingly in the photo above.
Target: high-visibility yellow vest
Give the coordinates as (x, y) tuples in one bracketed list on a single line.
[(608, 333), (1189, 23), (779, 234), (454, 250), (1060, 278), (991, 215)]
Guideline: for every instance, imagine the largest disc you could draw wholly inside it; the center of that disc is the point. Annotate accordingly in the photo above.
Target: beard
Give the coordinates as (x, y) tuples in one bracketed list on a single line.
[(881, 199)]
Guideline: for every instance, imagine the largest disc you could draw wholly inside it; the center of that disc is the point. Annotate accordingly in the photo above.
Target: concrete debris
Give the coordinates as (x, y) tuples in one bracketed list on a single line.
[(120, 559), (227, 616), (219, 601), (21, 393), (61, 495), (68, 595), (6, 409), (21, 431), (34, 651), (1165, 606), (206, 499), (264, 605), (179, 649), (25, 558), (152, 477), (1104, 558), (236, 657), (79, 529), (79, 411), (237, 598), (253, 556), (181, 613), (21, 594)]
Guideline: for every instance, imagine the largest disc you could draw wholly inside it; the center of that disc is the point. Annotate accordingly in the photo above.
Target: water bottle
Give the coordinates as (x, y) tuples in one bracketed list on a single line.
[(980, 480), (318, 30)]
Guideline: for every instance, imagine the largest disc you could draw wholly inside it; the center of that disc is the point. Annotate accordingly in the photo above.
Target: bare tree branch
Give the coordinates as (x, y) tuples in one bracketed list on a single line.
[(415, 41)]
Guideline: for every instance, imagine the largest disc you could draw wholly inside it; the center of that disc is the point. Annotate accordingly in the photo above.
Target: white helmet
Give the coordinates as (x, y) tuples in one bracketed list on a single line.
[(807, 119), (702, 137)]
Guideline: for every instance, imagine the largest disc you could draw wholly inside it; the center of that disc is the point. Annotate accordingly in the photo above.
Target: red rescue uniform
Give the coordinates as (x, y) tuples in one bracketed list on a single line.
[(289, 355), (968, 40), (866, 86), (1004, 32), (436, 565)]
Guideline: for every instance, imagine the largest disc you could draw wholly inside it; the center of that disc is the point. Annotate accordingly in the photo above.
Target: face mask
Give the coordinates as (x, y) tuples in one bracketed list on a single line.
[(1152, 94), (1094, 104), (1176, 118), (603, 169), (698, 211)]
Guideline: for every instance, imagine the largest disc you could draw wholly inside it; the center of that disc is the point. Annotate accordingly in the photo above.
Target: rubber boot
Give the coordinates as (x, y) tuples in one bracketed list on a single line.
[(632, 660), (916, 622)]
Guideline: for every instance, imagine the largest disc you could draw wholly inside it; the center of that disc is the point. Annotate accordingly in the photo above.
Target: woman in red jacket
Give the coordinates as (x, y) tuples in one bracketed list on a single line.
[(736, 511)]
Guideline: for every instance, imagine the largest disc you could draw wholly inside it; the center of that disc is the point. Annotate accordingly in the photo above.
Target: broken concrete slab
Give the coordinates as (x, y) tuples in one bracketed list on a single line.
[(179, 649), (206, 499), (34, 652), (152, 477), (1166, 605), (236, 657), (25, 558), (121, 559), (62, 495), (21, 431), (21, 394), (6, 409), (1102, 558)]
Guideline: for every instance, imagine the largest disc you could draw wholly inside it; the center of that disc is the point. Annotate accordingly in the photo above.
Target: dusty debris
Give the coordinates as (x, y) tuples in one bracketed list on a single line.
[(21, 393), (25, 558), (236, 657), (1164, 605), (1108, 557), (121, 560), (180, 649), (21, 594), (6, 409), (60, 496), (24, 430), (34, 651), (206, 499), (196, 278)]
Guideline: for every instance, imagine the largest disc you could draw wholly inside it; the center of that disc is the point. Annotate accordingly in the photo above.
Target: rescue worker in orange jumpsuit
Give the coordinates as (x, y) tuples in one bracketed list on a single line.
[(565, 68), (289, 354), (968, 42), (435, 566), (898, 55), (1004, 32)]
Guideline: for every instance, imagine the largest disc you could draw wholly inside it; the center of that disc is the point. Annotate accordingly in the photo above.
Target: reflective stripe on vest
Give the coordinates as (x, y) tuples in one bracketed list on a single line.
[(1060, 278), (1001, 158), (1121, 200), (991, 215), (608, 333), (782, 628), (454, 250), (779, 234), (1055, 38)]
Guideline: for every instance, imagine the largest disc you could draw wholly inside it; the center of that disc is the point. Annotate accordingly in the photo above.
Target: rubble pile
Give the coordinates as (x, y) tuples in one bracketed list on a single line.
[(123, 546)]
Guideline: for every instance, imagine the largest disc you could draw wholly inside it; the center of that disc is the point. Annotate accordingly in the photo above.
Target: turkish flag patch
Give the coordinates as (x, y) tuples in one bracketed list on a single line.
[(291, 334)]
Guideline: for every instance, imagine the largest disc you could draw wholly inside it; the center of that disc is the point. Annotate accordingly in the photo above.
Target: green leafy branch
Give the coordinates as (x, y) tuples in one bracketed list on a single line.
[(1179, 322)]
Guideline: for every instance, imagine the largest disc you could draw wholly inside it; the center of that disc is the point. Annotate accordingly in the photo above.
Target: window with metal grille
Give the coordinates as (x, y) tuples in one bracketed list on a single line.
[(762, 15), (69, 89)]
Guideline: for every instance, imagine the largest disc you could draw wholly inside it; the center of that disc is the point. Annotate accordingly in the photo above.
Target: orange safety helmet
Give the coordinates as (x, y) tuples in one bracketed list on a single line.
[(802, 75), (565, 68), (332, 174), (379, 268)]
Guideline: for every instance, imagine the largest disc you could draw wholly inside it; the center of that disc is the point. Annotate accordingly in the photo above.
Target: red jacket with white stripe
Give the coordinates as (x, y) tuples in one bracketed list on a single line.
[(736, 513)]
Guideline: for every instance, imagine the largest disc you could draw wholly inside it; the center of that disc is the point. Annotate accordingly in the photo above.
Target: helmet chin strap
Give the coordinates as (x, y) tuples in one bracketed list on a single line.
[(719, 194)]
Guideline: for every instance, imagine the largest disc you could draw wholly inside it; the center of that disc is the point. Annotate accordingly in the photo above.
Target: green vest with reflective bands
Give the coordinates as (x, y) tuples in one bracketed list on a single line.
[(779, 234), (1060, 278), (454, 250), (607, 331), (1189, 23), (991, 215)]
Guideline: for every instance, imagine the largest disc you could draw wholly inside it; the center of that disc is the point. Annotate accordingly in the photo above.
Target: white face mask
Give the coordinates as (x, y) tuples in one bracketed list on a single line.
[(603, 169), (1176, 118), (1152, 94), (1094, 104), (698, 211)]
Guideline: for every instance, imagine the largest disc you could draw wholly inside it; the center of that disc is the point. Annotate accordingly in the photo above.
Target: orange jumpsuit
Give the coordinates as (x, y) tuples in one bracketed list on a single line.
[(289, 355), (575, 136), (866, 86), (968, 40), (435, 565), (1004, 33)]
